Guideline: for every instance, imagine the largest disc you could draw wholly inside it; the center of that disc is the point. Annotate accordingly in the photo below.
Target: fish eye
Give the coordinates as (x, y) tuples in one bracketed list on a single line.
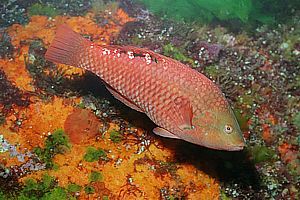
[(228, 129)]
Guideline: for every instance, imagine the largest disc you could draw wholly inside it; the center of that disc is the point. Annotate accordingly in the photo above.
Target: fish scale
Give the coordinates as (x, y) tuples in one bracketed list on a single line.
[(120, 77), (181, 101)]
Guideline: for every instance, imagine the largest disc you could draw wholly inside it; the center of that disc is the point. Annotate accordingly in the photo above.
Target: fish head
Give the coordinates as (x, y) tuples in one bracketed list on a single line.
[(218, 129)]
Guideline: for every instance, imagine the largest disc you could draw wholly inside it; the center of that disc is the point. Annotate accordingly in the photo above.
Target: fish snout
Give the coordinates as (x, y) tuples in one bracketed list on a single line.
[(236, 147)]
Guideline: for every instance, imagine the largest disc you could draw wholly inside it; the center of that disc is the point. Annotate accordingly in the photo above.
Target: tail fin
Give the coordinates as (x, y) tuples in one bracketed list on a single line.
[(66, 46)]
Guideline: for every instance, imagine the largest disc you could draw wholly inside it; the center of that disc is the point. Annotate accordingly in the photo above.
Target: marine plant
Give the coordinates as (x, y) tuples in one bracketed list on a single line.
[(296, 120), (39, 9), (89, 189), (10, 95), (95, 176), (92, 154), (49, 79), (56, 143), (46, 189), (262, 154), (6, 48), (176, 53), (13, 12), (115, 136), (206, 11), (73, 188)]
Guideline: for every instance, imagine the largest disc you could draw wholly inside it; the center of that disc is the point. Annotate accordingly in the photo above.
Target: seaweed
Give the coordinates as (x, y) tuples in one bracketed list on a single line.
[(176, 53), (13, 11), (95, 176), (39, 9), (9, 183), (6, 48), (262, 154), (201, 9), (74, 188), (92, 154), (70, 7), (11, 95), (46, 189), (115, 136), (245, 11), (47, 77), (89, 189), (296, 120), (56, 143)]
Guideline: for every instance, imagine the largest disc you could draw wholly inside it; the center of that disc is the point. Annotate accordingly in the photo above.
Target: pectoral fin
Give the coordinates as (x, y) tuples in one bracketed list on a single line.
[(121, 98), (183, 113), (164, 133)]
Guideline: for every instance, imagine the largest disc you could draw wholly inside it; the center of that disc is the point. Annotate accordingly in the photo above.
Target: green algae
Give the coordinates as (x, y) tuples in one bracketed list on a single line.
[(57, 143), (74, 188), (245, 11), (223, 196), (212, 71), (296, 120), (89, 189), (57, 193), (115, 136), (92, 154), (39, 9), (95, 176), (261, 154), (44, 189), (105, 198), (176, 53), (201, 10)]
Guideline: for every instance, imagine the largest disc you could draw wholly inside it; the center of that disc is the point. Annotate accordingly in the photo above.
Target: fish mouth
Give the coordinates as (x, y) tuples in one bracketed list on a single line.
[(238, 147)]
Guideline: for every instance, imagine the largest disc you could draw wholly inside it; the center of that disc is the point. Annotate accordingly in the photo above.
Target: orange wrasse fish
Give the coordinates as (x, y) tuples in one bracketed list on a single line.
[(182, 102)]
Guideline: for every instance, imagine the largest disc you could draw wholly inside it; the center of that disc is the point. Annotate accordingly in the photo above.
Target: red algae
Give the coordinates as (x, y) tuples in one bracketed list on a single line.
[(43, 119), (81, 125)]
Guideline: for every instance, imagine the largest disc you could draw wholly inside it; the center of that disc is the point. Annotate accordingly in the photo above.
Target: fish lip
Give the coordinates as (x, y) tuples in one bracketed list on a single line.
[(238, 147)]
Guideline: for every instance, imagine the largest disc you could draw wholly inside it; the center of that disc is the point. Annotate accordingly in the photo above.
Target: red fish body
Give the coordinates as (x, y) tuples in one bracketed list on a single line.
[(181, 101)]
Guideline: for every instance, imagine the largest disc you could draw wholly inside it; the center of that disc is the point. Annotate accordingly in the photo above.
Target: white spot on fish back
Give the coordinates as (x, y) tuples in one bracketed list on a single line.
[(130, 54), (105, 51), (92, 46), (148, 58)]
